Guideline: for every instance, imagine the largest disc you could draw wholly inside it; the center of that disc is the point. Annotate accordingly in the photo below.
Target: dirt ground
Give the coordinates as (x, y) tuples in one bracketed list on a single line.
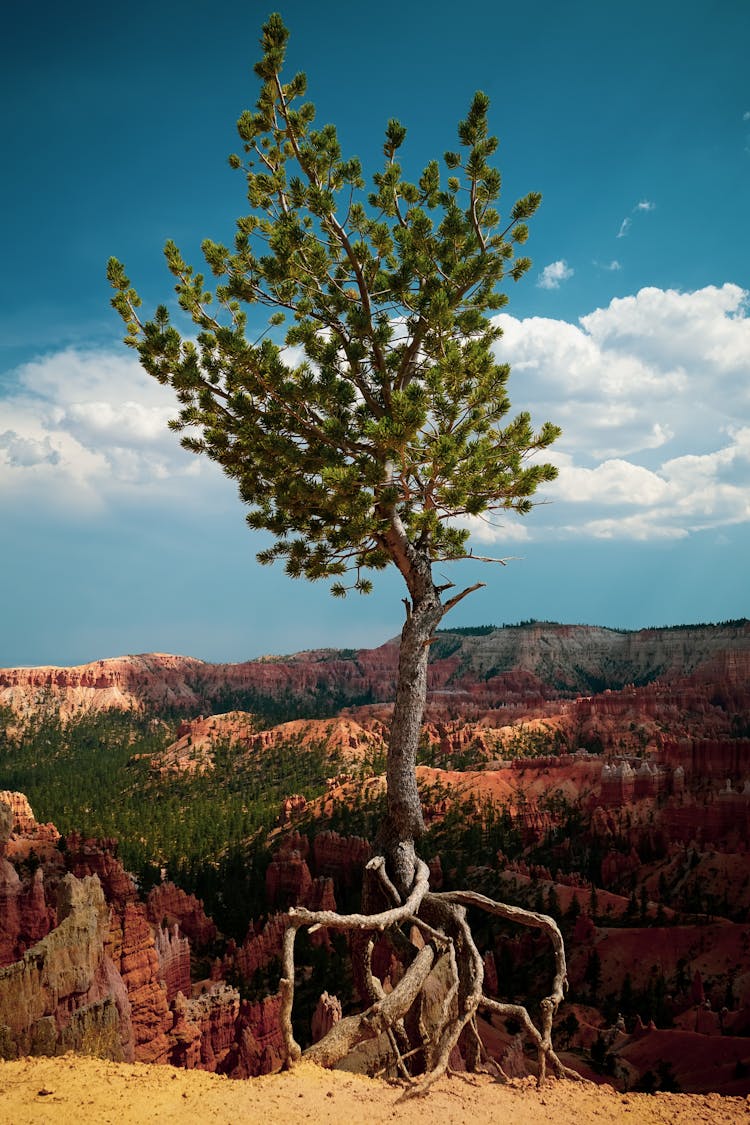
[(83, 1091)]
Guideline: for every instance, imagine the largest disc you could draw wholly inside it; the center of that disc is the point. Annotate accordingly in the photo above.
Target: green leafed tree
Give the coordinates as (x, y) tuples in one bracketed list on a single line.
[(371, 419)]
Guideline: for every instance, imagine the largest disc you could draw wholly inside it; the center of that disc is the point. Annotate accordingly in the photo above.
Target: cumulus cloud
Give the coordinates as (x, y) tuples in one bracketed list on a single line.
[(23, 452), (645, 205), (653, 394), (86, 429), (554, 274)]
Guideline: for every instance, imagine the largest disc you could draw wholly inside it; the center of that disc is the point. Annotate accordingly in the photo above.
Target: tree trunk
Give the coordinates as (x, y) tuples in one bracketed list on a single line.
[(403, 821)]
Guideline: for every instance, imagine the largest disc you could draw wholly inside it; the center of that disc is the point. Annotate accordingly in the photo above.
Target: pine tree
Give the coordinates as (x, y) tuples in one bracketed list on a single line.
[(393, 429)]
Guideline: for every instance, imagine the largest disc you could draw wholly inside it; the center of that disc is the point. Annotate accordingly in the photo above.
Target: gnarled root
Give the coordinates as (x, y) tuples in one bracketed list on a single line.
[(441, 920)]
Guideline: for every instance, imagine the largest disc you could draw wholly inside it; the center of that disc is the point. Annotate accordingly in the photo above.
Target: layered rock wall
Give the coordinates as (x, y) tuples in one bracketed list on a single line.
[(167, 902), (709, 757), (507, 665), (173, 952), (65, 994)]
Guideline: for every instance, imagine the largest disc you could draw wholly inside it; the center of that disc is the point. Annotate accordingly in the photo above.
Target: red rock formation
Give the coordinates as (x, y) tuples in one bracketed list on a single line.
[(204, 1031), (584, 931), (194, 749), (185, 1036), (327, 1013), (292, 807), (288, 880), (260, 947), (436, 873), (696, 1062), (99, 857), (64, 993), (616, 866), (713, 816), (707, 1022), (294, 841), (320, 896), (709, 757), (132, 949), (507, 667), (25, 917), (166, 901), (697, 995), (341, 857), (23, 817), (26, 836), (6, 826), (513, 1060), (260, 1043), (490, 973), (173, 952)]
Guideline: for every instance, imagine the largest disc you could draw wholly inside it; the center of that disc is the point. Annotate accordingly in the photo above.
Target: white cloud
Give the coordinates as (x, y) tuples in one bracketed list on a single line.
[(652, 392), (636, 527), (118, 424), (669, 329), (644, 205), (612, 482), (553, 274), (746, 115), (505, 527), (86, 428), (653, 395), (23, 452)]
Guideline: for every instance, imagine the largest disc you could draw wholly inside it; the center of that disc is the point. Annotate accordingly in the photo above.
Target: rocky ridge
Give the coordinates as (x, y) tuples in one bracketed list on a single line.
[(102, 972), (641, 846), (509, 665)]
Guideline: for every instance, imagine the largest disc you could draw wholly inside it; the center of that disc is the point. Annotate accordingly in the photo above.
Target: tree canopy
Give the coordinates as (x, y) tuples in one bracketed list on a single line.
[(366, 427)]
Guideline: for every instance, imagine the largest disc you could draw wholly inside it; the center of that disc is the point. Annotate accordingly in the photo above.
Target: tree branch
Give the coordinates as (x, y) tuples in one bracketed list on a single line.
[(459, 597), (487, 558)]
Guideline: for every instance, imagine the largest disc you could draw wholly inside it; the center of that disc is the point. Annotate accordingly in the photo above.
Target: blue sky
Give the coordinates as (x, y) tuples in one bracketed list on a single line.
[(631, 331)]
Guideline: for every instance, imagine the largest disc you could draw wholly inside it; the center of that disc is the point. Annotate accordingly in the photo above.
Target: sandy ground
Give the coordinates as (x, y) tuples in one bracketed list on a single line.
[(84, 1091)]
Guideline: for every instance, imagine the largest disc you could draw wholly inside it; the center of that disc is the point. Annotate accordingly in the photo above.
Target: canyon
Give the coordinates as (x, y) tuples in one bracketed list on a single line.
[(487, 668), (601, 777)]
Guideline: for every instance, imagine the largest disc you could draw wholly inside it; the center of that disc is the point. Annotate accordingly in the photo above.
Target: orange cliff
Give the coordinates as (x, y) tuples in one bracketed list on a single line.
[(510, 666), (89, 972)]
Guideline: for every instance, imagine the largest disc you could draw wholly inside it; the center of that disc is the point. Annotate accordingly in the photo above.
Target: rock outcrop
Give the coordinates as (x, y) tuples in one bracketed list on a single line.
[(260, 1044), (25, 917), (326, 1014), (508, 666), (173, 952), (65, 993), (205, 1031), (167, 902), (133, 950), (25, 835)]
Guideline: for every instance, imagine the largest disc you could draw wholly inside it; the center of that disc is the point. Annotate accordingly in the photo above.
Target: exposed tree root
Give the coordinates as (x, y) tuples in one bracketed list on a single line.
[(441, 920), (348, 1032)]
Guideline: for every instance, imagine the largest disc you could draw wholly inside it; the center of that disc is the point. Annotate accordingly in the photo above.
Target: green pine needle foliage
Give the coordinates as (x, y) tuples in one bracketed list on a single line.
[(396, 417)]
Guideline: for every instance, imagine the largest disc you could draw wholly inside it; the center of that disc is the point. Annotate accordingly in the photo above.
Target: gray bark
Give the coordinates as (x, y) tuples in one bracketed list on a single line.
[(403, 822)]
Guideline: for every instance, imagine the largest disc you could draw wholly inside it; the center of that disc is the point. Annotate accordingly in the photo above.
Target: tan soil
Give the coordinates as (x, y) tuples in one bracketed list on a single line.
[(83, 1091)]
